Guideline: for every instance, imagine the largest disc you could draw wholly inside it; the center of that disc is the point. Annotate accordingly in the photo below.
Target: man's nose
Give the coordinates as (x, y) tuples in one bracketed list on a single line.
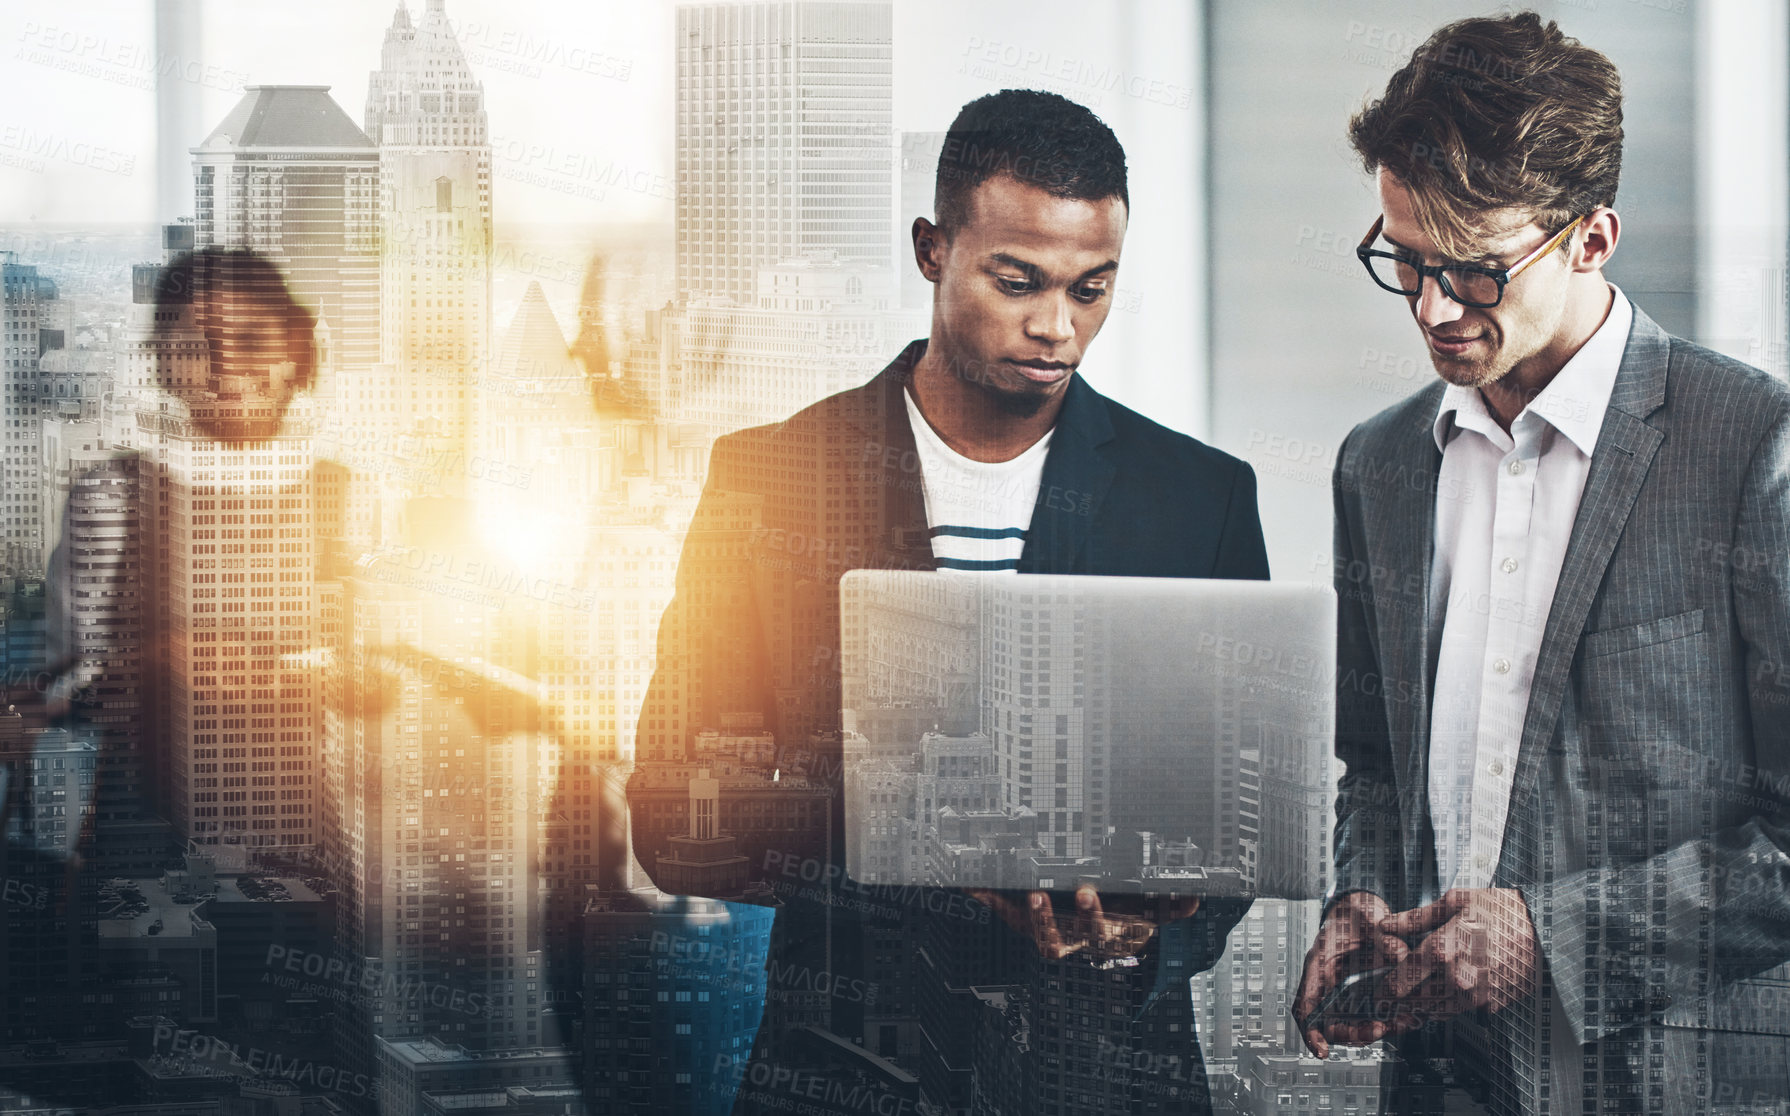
[(1433, 308), (1053, 321)]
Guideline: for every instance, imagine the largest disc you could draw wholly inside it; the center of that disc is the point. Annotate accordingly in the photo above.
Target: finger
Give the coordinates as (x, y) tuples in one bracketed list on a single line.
[(1314, 985), (1408, 974), (1464, 981), (1314, 1042), (1392, 948), (1090, 923), (1183, 908), (1045, 933), (1136, 934), (1356, 1033), (1421, 920)]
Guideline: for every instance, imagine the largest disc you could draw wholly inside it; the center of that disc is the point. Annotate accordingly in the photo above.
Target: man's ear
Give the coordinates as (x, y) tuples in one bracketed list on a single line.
[(1597, 240), (929, 249)]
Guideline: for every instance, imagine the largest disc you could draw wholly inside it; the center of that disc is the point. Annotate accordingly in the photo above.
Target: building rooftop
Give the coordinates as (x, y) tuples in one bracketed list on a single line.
[(141, 909), (264, 889), (286, 116), (432, 1051)]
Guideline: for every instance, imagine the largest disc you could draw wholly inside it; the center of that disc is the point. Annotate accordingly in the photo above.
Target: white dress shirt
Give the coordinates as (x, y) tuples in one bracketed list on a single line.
[(1505, 505)]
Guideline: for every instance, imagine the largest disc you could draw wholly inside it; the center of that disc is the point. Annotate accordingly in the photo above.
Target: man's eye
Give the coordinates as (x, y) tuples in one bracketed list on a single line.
[(1015, 286), (1089, 294)]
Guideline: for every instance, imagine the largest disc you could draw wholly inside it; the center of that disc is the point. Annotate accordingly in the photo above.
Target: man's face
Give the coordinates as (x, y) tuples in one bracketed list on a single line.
[(1472, 347), (268, 348), (1022, 288)]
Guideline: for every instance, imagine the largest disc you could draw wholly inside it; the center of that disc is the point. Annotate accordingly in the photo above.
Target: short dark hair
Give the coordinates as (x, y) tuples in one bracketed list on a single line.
[(1033, 137), (239, 295), (1497, 113)]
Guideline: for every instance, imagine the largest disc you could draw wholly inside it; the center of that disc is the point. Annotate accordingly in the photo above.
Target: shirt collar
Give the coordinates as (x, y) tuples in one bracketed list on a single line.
[(1574, 401)]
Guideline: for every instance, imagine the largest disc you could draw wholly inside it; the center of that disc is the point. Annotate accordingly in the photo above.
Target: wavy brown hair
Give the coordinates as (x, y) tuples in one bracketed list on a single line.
[(1497, 113)]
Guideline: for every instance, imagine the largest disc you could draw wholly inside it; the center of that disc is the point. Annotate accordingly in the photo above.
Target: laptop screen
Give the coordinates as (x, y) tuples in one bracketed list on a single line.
[(1149, 736)]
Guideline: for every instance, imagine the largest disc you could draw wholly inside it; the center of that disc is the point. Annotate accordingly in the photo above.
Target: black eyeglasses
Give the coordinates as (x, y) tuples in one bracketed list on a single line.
[(1478, 287)]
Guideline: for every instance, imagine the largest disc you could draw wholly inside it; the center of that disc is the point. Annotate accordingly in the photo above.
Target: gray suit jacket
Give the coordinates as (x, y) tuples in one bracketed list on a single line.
[(1649, 827)]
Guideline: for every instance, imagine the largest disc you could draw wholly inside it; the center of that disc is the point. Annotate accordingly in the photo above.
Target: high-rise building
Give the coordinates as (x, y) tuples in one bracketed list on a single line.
[(435, 770), (783, 140), (228, 559), (1247, 997), (426, 114), (288, 174), (236, 617), (26, 297)]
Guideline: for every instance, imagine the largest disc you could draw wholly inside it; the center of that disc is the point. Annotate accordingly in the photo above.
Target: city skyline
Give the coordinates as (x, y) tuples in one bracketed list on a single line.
[(430, 794)]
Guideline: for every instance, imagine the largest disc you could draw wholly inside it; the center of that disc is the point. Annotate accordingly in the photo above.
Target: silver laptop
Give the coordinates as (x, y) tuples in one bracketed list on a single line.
[(1147, 735)]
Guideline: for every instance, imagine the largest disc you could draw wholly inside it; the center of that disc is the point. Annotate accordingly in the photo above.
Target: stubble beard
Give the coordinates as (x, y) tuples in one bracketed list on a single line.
[(1017, 404), (1468, 373)]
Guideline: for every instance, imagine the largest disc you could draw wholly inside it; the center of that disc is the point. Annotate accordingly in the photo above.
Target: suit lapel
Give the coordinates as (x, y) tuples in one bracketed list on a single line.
[(1625, 450), (891, 469), (1076, 478), (1399, 518)]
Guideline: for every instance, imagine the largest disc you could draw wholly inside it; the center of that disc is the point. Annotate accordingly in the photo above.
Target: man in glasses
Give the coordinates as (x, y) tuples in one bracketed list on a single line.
[(1563, 835)]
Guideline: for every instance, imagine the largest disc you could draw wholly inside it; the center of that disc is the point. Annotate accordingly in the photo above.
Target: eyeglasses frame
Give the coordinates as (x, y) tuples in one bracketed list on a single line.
[(1500, 275)]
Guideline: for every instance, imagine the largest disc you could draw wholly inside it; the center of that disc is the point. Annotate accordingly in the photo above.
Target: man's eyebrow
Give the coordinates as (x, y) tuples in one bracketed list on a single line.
[(1031, 270), (1037, 274)]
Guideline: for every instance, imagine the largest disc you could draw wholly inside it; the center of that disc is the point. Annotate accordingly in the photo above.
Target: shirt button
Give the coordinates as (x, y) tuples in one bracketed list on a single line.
[(1496, 767), (1516, 468), (1509, 565), (1502, 666)]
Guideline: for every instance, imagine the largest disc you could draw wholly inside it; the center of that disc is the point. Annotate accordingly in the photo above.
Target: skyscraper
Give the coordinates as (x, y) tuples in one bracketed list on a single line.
[(222, 531), (21, 509), (289, 175), (783, 145), (426, 114), (435, 769)]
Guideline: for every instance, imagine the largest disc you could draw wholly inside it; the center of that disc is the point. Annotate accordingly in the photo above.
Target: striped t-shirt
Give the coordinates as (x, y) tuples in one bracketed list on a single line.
[(978, 511)]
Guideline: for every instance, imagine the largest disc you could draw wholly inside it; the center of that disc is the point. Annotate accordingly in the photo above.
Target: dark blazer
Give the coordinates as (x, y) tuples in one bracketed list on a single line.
[(754, 626), (1649, 826)]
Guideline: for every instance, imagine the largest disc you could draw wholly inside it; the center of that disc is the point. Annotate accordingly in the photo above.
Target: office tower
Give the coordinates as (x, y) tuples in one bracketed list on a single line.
[(100, 615), (782, 227), (27, 295), (436, 767), (236, 623), (289, 175), (1050, 661), (1246, 998), (228, 568), (782, 139), (426, 114)]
